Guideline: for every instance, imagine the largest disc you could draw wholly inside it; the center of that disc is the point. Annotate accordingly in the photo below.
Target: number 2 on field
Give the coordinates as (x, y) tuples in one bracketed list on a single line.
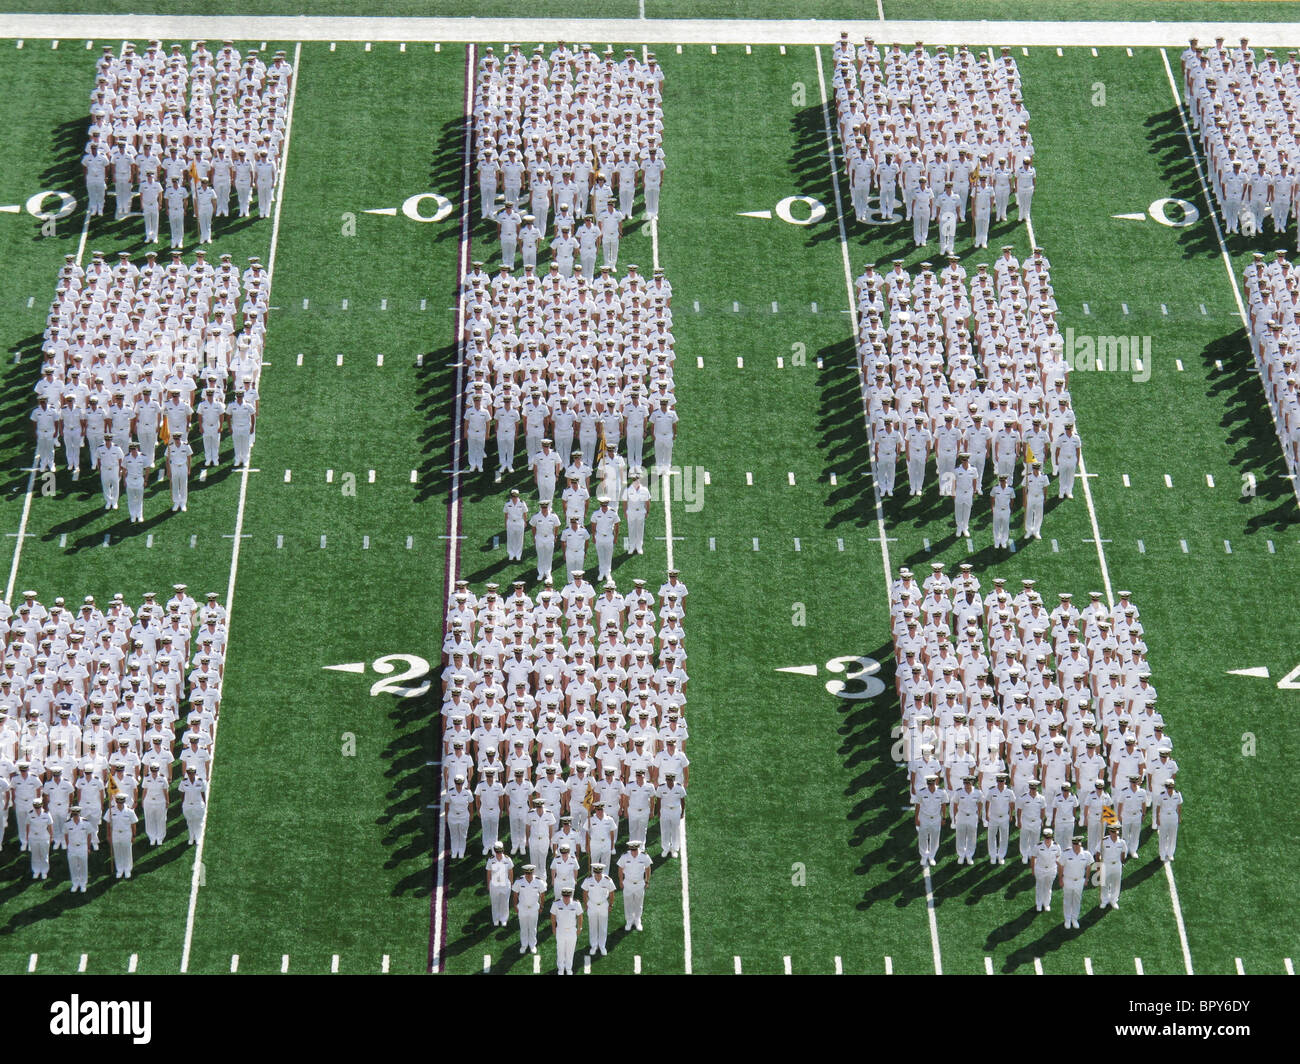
[(415, 668)]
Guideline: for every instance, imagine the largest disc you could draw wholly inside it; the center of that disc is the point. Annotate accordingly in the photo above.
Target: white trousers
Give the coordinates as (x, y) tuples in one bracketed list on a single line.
[(998, 832), (597, 926), (1110, 879), (927, 835), (77, 867), (635, 532), (565, 941), (514, 540), (459, 829), (633, 903), (528, 929), (500, 899), (669, 830)]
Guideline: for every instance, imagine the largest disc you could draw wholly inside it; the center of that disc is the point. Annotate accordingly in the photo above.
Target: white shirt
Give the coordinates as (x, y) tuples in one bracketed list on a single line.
[(598, 892)]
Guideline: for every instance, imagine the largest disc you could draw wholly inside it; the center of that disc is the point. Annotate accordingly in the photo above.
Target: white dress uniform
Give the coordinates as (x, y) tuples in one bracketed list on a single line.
[(507, 419), (499, 867), (528, 890), (175, 197), (1113, 853), (1168, 806), (634, 866), (151, 193), (1035, 493), (605, 523), (929, 819), (457, 803), (566, 914), (516, 514), (1001, 497), (489, 791), (78, 836), (1046, 858), (136, 466), (966, 808), (121, 821), (96, 166), (154, 791), (998, 805), (192, 803), (178, 471), (638, 505), (601, 828), (574, 538), (477, 419), (671, 795), (1132, 806), (1074, 877), (598, 888), (964, 484), (1065, 457), (545, 523), (109, 458), (40, 828), (211, 413)]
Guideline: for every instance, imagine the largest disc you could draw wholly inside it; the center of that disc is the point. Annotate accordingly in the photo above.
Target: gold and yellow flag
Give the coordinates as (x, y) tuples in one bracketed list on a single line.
[(1029, 454), (112, 787), (601, 449), (163, 430), (589, 799), (1108, 816)]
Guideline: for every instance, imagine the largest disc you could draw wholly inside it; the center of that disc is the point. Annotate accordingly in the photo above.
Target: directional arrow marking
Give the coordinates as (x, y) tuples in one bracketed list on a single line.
[(11, 208), (351, 666), (1138, 217), (754, 214), (801, 670), (1260, 672), (390, 211)]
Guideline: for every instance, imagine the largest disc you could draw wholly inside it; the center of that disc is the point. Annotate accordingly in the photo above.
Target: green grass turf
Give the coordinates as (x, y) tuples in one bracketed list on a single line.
[(336, 846), (960, 10), (790, 784)]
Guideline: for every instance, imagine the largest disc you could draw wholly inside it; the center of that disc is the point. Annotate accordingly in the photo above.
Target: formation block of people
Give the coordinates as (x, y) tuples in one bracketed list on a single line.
[(967, 370), (180, 132), (941, 136), (1043, 722), (565, 732), (107, 717)]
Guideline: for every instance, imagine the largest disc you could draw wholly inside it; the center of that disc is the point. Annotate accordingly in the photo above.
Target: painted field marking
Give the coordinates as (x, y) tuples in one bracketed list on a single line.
[(796, 544), (133, 962), (284, 964), (749, 479), (329, 476), (713, 543), (279, 542), (1271, 548), (780, 362), (234, 963), (988, 965), (487, 963), (1183, 543), (322, 543), (786, 962), (1056, 549), (1169, 481), (699, 362), (1241, 970), (1087, 966), (790, 476), (537, 964), (1137, 964), (740, 362), (1227, 547), (839, 966), (1290, 968), (1179, 363), (1142, 547), (586, 965), (1125, 479), (756, 543), (736, 965), (636, 964), (889, 965), (370, 476), (31, 962), (1038, 965)]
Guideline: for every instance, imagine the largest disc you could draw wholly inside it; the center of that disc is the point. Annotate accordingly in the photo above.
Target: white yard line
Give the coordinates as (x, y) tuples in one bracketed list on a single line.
[(668, 548), (1223, 253), (650, 31), (1105, 569), (453, 530), (238, 539), (880, 513)]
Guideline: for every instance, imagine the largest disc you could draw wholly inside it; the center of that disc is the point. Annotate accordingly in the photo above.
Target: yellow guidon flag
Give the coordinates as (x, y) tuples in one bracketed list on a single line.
[(589, 799), (1029, 454), (1108, 816), (112, 787), (165, 435), (601, 450)]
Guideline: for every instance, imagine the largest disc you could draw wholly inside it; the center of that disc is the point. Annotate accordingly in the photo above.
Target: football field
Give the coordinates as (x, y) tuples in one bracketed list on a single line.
[(321, 852)]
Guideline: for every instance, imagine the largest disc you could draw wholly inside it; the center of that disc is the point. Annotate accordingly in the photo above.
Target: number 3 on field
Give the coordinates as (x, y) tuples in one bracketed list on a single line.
[(864, 676), (415, 668)]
